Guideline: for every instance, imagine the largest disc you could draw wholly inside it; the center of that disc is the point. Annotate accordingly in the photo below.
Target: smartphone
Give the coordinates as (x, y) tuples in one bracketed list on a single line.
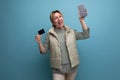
[(83, 11), (41, 31)]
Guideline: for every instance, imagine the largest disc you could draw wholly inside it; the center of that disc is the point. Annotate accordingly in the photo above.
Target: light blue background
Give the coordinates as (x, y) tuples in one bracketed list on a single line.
[(21, 19)]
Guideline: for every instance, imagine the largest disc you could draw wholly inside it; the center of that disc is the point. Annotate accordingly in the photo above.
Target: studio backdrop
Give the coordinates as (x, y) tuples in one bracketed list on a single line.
[(21, 19)]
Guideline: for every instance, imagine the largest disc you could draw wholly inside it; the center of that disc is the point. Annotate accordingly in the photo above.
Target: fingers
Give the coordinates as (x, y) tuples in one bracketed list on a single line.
[(38, 38), (86, 10)]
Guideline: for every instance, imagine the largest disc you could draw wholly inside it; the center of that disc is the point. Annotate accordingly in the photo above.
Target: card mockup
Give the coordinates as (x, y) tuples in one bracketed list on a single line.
[(41, 31)]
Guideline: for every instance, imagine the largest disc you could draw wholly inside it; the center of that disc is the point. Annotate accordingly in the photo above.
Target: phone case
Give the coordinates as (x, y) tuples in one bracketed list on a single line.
[(83, 11)]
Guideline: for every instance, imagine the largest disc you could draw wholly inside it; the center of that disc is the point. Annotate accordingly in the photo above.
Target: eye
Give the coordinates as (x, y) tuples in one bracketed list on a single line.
[(55, 18), (60, 16)]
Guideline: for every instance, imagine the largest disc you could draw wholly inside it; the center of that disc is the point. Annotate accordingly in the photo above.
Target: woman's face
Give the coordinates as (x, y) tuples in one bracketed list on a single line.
[(58, 20)]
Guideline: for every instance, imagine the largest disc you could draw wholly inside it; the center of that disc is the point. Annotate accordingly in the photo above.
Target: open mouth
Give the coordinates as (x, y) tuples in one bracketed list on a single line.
[(60, 22)]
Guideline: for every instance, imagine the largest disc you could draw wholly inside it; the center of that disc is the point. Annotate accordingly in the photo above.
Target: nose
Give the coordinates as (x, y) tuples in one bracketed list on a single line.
[(59, 18)]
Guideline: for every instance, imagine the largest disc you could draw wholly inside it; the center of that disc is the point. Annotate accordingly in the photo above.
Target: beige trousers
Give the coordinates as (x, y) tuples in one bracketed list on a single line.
[(66, 76)]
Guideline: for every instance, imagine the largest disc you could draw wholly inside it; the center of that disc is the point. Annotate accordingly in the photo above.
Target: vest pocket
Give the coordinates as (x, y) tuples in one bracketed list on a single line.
[(55, 63), (74, 60)]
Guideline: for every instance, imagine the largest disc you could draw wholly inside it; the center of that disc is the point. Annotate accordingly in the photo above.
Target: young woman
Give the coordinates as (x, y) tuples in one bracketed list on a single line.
[(61, 41)]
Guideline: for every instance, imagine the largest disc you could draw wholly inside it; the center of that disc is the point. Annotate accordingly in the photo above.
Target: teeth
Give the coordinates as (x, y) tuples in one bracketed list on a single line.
[(59, 22)]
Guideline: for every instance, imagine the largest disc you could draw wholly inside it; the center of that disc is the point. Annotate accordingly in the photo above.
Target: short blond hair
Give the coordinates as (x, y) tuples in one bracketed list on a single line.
[(52, 14)]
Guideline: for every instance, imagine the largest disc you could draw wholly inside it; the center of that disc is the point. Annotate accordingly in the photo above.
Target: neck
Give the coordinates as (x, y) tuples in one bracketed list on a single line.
[(60, 27)]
